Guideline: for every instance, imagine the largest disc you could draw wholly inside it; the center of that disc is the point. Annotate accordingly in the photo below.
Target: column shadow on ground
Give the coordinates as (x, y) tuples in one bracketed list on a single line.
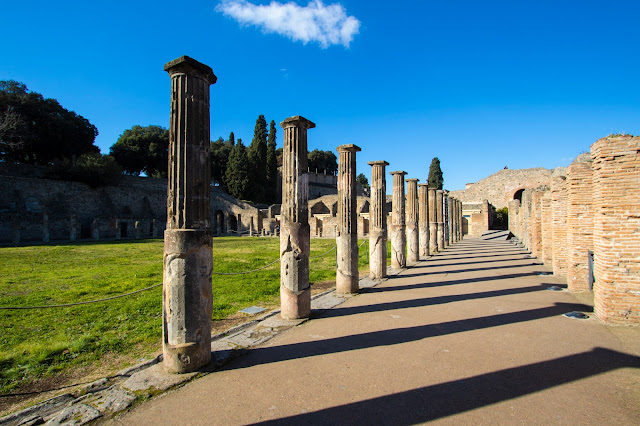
[(432, 263), (454, 397), (459, 271), (427, 301), (446, 283), (395, 336)]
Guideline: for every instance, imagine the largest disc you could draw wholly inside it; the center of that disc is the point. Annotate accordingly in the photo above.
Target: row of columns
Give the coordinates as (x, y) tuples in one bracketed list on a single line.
[(188, 258)]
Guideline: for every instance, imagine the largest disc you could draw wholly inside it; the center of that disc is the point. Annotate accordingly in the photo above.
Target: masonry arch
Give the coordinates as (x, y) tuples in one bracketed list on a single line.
[(320, 208)]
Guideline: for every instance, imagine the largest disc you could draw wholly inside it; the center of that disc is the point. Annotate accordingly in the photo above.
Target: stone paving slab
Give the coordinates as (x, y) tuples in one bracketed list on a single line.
[(155, 379)]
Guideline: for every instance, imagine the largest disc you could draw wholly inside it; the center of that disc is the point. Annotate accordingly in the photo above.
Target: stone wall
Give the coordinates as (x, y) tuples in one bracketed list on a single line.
[(579, 222), (616, 231), (500, 187), (25, 201), (559, 223), (478, 217)]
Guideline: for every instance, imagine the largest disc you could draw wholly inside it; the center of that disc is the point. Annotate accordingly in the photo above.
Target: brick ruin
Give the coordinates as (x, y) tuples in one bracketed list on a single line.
[(585, 225)]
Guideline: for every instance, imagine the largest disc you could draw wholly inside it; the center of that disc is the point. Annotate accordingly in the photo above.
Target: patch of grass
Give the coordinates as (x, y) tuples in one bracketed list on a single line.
[(39, 343)]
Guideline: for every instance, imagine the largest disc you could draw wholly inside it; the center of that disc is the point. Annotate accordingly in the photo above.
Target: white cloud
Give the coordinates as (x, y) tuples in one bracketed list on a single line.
[(326, 25)]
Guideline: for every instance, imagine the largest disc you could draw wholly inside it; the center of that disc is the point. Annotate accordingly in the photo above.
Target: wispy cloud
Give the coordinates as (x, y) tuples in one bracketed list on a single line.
[(326, 25)]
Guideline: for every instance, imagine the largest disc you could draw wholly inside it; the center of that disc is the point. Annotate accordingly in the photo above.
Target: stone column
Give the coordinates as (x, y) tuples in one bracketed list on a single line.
[(398, 236), (433, 221), (454, 215), (188, 256), (413, 243), (445, 217), (136, 230), (73, 225), (118, 230), (295, 293), (45, 226), (154, 229), (440, 218), (451, 219), (423, 219), (347, 233), (15, 225), (378, 221), (95, 229), (460, 219)]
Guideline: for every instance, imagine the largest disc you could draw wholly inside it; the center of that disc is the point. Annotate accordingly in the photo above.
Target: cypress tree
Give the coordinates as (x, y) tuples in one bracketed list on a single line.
[(272, 164), (435, 174), (237, 174), (258, 160)]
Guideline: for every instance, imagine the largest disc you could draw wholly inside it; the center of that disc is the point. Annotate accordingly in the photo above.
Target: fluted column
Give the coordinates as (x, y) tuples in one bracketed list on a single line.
[(450, 219), (423, 219), (445, 216), (378, 221), (440, 218), (460, 218), (188, 258), (413, 244), (433, 221), (398, 236), (295, 293), (347, 236)]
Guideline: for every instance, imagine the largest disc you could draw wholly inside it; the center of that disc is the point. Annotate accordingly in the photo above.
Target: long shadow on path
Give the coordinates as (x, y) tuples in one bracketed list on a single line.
[(446, 399)]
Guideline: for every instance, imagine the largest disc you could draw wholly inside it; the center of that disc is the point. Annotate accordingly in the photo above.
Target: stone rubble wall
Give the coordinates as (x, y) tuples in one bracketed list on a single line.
[(594, 208), (499, 188)]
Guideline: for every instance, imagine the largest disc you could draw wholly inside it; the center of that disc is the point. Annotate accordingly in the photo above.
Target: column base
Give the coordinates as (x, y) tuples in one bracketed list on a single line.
[(295, 305), (346, 284), (185, 357)]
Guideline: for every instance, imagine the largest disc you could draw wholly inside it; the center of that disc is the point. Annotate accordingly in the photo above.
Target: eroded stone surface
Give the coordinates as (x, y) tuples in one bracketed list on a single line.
[(347, 237), (413, 243), (154, 379), (78, 414), (423, 220), (378, 221), (398, 227)]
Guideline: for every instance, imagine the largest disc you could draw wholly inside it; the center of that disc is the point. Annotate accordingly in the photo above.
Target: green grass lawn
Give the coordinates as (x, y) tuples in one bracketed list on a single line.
[(40, 343)]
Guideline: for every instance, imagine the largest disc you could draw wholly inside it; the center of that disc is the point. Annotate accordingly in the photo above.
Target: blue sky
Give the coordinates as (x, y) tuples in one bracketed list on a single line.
[(481, 85)]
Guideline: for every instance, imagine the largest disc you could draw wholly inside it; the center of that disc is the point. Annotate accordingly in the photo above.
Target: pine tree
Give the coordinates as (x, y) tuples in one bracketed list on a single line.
[(258, 160), (237, 174), (435, 174), (272, 164)]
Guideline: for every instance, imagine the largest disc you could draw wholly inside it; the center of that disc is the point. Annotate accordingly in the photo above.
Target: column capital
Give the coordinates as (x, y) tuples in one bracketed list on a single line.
[(297, 121), (378, 163), (348, 148), (424, 185), (412, 180), (398, 172), (187, 65)]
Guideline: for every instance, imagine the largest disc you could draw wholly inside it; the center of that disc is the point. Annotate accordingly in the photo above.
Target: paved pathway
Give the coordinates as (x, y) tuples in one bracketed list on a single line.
[(469, 336)]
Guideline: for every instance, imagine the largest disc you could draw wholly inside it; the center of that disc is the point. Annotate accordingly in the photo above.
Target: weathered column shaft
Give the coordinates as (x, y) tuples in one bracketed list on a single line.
[(423, 219), (445, 217), (398, 236), (188, 258), (413, 243), (460, 219), (378, 221), (295, 293), (433, 221), (440, 218), (347, 235)]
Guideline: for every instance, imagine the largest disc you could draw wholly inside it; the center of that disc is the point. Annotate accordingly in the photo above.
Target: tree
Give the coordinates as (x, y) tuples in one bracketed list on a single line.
[(435, 174), (322, 161), (363, 181), (272, 164), (39, 130), (237, 173), (143, 149), (94, 169), (257, 153)]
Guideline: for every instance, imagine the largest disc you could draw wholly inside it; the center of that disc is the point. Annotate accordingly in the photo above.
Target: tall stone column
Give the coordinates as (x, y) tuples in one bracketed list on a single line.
[(398, 236), (378, 221), (295, 293), (423, 219), (73, 226), (188, 257), (454, 220), (440, 218), (45, 226), (433, 221), (445, 217), (460, 219), (347, 235), (413, 243)]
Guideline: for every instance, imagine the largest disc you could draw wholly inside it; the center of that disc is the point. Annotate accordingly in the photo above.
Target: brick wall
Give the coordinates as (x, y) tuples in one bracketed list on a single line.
[(559, 218), (535, 227), (616, 202), (579, 222), (546, 229)]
